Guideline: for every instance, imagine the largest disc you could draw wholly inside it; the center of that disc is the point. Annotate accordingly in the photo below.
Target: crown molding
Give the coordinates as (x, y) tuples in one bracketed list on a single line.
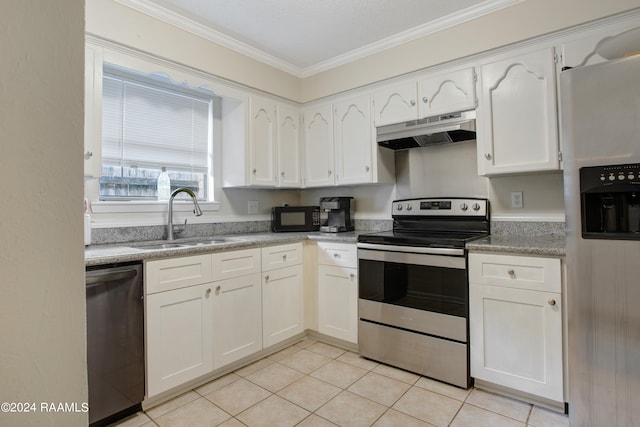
[(165, 15)]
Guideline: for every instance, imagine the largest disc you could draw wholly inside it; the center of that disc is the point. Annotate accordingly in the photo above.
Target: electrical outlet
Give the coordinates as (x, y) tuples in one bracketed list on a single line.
[(516, 199), (253, 207)]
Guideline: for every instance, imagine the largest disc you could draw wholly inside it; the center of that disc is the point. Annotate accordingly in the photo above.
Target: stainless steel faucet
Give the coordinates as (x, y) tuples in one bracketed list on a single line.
[(196, 211)]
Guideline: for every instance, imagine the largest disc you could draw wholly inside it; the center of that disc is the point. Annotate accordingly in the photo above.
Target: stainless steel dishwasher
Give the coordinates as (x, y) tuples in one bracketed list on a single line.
[(115, 341)]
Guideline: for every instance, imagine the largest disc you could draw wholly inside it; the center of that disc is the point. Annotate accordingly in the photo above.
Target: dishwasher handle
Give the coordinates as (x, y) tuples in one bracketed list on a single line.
[(96, 277)]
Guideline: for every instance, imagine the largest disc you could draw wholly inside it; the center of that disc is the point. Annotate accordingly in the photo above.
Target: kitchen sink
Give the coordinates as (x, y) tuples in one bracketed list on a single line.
[(183, 244)]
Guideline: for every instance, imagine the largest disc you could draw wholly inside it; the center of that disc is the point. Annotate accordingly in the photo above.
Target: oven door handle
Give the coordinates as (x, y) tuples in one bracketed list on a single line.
[(412, 249), (428, 260)]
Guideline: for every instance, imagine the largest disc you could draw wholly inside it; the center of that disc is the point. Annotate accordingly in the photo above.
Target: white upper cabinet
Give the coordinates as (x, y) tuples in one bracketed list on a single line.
[(396, 103), (447, 93), (586, 47), (289, 159), (517, 121), (431, 95), (355, 141), (318, 146), (93, 111), (263, 134)]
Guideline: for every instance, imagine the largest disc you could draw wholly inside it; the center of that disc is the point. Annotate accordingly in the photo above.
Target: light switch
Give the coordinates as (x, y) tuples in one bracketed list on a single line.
[(516, 199)]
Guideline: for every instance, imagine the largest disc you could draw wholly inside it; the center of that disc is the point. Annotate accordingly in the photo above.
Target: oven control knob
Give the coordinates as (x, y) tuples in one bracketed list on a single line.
[(612, 177), (475, 207), (464, 206), (399, 207), (409, 207)]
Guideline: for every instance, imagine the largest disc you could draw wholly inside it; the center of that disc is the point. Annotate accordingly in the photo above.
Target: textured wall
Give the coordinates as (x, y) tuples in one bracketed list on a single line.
[(42, 295)]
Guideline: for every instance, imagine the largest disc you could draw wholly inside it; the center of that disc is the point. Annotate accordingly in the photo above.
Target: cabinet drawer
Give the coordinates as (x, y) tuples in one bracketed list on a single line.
[(337, 254), (541, 274), (174, 273), (226, 265), (280, 256)]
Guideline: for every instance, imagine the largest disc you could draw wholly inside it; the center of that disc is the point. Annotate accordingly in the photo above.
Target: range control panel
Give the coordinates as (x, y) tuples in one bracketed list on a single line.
[(440, 207)]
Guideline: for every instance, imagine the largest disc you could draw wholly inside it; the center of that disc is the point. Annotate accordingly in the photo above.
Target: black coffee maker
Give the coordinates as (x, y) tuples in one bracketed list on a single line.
[(610, 202), (337, 214)]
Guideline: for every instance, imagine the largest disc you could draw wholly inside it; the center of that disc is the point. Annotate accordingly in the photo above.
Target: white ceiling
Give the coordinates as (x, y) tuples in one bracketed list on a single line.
[(304, 37)]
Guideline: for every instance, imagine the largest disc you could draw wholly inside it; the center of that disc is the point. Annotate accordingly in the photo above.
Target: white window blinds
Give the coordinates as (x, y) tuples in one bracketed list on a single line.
[(149, 126)]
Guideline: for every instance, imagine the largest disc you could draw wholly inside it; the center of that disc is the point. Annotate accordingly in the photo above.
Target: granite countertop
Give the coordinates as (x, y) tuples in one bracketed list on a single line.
[(136, 251), (548, 245)]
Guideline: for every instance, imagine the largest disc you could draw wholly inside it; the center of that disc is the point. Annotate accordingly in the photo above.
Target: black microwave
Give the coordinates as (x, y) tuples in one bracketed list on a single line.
[(295, 218)]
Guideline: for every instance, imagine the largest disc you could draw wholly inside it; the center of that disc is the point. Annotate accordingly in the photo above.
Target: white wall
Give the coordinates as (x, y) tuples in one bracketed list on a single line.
[(42, 294)]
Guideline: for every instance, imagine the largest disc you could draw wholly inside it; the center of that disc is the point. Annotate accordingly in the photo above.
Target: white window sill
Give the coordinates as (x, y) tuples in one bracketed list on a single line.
[(104, 207)]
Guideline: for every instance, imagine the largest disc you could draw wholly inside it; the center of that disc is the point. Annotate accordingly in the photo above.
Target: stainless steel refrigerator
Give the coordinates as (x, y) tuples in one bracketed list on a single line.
[(600, 107)]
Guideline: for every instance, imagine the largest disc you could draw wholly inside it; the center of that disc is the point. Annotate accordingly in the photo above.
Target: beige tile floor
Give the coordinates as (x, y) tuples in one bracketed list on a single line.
[(315, 384)]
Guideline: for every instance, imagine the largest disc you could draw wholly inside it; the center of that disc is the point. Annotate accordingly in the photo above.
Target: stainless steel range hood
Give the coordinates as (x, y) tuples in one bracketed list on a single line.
[(444, 129)]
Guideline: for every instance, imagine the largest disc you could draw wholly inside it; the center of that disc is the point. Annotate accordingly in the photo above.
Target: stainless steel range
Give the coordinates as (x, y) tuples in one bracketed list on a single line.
[(413, 303)]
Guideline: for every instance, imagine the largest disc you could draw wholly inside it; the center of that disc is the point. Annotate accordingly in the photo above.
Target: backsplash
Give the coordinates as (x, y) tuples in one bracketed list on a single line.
[(102, 236), (527, 228)]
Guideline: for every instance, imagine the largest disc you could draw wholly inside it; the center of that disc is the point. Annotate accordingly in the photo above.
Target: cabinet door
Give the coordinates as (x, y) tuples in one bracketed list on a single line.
[(318, 146), (282, 304), (518, 129), (338, 302), (516, 339), (263, 142), (179, 337), (447, 93), (289, 170), (93, 111), (237, 319), (395, 104), (355, 140)]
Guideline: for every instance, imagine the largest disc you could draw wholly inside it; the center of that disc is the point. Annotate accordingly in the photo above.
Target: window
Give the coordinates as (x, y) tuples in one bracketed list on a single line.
[(149, 122)]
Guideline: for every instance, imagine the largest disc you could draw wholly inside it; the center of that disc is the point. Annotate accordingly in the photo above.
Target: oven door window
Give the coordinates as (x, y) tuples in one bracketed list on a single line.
[(423, 287)]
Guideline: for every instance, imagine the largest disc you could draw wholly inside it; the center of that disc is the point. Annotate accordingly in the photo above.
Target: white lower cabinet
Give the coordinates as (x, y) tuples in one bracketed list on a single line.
[(515, 316), (338, 291), (237, 318), (179, 337), (282, 293)]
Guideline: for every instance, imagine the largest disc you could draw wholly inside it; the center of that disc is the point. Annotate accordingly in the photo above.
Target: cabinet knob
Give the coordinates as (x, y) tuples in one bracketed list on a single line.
[(266, 278), (511, 272), (352, 276), (284, 257), (425, 99), (487, 156), (218, 290), (208, 292), (367, 168), (336, 255), (330, 172), (552, 302), (89, 154), (282, 173), (254, 171), (413, 103)]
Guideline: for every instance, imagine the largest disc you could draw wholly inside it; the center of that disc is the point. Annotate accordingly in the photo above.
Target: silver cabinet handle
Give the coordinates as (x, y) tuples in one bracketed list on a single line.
[(336, 255), (208, 291), (330, 172), (254, 171), (367, 168), (413, 103), (511, 272), (218, 290), (352, 276), (284, 257), (552, 302), (425, 99), (282, 173), (89, 154), (487, 156), (266, 278)]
